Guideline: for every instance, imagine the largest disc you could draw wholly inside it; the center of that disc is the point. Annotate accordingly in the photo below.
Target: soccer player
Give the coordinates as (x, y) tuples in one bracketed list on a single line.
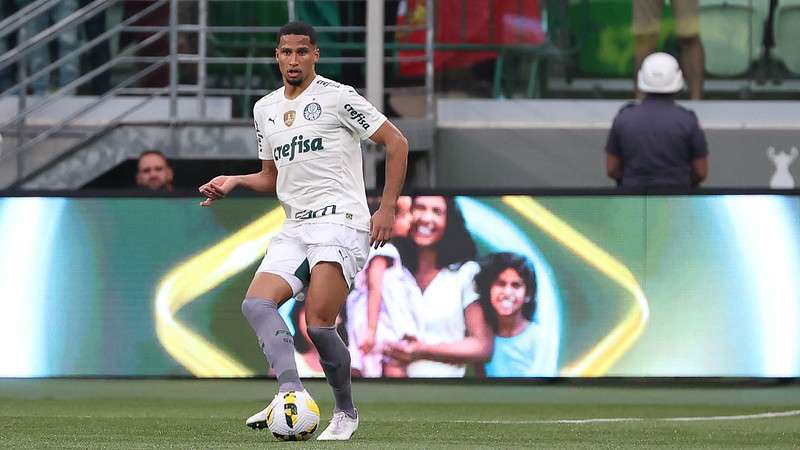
[(308, 135)]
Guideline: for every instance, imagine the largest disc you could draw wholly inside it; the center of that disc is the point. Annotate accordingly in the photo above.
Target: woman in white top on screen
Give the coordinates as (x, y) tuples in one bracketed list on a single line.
[(452, 330)]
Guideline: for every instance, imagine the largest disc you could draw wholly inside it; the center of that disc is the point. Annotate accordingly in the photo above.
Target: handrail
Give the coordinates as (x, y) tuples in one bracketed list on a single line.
[(88, 46), (7, 25), (109, 126), (47, 35), (88, 76), (61, 125)]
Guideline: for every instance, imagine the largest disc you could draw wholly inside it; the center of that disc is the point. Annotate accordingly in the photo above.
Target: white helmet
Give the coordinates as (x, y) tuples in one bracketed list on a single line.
[(660, 74)]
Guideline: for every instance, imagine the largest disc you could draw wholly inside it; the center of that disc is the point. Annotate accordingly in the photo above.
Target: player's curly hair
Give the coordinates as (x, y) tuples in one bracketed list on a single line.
[(455, 247), (298, 28), (491, 267)]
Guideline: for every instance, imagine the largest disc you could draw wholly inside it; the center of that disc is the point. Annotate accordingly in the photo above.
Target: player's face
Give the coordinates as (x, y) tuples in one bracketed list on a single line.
[(428, 220), (296, 57), (402, 221), (507, 293), (153, 173)]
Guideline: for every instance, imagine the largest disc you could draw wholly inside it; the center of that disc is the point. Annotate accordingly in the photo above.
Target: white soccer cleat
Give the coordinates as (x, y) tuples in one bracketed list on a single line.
[(341, 428), (259, 420)]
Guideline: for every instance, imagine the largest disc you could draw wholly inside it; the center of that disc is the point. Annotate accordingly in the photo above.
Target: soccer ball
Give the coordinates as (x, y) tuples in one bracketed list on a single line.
[(293, 416)]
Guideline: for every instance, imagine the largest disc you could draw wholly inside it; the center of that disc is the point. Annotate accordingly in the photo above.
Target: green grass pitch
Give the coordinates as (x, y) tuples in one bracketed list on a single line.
[(210, 414)]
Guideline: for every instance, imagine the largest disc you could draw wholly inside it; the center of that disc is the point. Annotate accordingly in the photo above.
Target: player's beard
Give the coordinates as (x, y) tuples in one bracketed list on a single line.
[(295, 81)]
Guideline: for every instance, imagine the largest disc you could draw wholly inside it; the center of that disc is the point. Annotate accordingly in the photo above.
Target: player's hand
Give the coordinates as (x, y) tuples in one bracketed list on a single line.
[(380, 226), (217, 188), (368, 343)]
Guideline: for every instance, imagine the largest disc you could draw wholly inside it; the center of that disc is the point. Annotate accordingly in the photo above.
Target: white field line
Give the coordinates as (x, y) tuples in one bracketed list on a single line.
[(766, 415)]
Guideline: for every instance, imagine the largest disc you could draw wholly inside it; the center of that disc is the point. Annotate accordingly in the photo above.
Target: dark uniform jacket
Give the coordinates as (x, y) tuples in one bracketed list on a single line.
[(656, 141)]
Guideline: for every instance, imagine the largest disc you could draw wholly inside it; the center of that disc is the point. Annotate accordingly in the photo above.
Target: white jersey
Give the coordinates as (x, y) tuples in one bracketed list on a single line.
[(315, 141)]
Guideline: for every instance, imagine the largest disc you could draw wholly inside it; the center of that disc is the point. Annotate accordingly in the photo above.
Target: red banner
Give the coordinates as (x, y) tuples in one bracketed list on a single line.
[(484, 22)]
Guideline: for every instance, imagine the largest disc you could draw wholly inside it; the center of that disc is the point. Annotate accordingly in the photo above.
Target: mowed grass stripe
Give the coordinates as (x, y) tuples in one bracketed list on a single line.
[(134, 414)]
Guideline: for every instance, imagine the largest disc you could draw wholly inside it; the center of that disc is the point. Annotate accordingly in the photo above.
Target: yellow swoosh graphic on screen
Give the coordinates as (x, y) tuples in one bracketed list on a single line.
[(605, 353), (195, 277)]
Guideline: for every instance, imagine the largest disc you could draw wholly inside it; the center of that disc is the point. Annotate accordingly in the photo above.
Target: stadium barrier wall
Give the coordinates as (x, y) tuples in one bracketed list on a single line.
[(626, 285)]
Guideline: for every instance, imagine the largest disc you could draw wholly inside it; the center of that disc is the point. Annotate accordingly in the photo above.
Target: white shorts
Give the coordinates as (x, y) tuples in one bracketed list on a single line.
[(294, 251)]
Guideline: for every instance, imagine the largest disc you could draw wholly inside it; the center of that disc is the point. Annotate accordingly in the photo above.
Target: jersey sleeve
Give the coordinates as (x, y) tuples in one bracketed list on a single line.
[(264, 150), (466, 275), (357, 114)]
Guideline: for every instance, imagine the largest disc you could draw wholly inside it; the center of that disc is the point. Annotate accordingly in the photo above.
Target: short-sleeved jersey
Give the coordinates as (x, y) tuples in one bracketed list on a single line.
[(315, 141), (656, 141)]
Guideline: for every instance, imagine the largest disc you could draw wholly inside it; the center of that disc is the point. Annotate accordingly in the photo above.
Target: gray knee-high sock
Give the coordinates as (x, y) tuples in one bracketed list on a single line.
[(275, 341), (335, 360)]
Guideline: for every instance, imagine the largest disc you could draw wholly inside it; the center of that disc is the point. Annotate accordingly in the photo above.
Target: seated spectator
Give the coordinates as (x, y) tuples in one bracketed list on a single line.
[(154, 172), (657, 142)]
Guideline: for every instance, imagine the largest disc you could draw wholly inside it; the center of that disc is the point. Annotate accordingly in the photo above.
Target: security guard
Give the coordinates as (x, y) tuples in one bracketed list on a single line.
[(657, 143)]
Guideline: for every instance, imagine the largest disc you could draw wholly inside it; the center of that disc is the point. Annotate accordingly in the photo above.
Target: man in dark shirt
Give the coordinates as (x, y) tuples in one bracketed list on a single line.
[(657, 143)]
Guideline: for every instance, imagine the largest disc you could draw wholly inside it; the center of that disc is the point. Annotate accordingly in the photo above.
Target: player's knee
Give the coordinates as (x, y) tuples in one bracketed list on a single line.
[(319, 319), (252, 307)]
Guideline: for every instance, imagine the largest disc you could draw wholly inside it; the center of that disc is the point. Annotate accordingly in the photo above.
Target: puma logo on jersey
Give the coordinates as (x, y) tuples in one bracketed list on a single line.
[(298, 145), (271, 120), (357, 116)]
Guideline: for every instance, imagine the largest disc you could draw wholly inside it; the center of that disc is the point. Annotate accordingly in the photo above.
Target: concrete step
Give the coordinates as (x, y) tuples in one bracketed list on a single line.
[(154, 110), (14, 167)]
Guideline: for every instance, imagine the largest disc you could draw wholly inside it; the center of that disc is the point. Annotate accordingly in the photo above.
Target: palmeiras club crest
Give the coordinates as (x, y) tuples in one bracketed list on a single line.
[(312, 111), (288, 117)]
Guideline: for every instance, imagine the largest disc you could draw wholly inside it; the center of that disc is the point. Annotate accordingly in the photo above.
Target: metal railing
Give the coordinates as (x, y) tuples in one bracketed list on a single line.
[(28, 137), (18, 56)]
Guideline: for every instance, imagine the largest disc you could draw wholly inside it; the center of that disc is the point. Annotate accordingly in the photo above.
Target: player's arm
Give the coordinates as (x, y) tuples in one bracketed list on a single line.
[(375, 272), (222, 185), (396, 146)]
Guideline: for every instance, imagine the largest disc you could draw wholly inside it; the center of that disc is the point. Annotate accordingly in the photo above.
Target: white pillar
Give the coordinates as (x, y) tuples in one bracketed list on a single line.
[(375, 52)]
